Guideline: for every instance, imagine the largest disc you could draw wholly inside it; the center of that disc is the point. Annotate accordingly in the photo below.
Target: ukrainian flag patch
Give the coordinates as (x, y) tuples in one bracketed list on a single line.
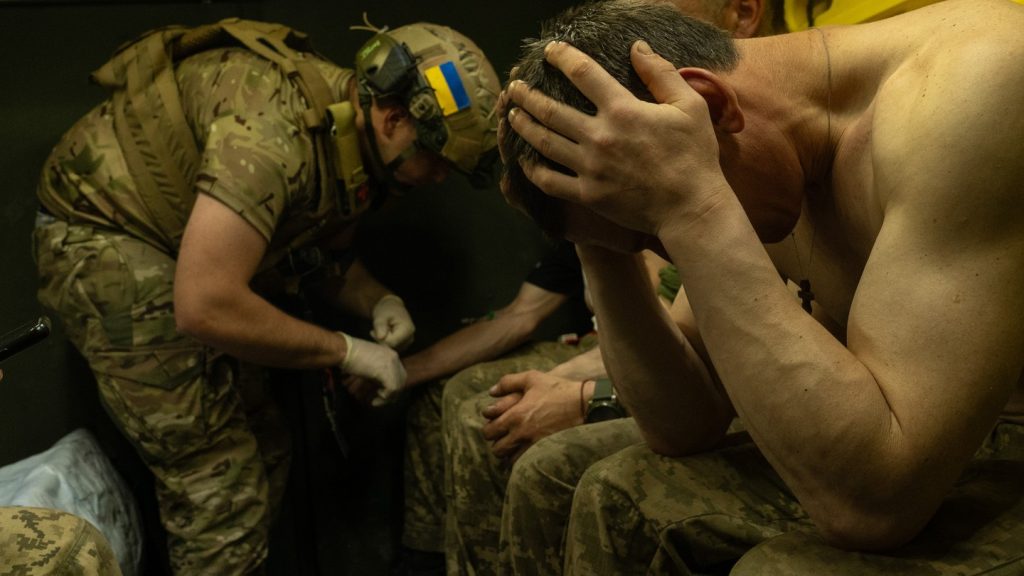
[(451, 94)]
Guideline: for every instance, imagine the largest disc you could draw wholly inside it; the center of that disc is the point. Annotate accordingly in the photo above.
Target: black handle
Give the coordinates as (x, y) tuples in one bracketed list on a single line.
[(23, 337)]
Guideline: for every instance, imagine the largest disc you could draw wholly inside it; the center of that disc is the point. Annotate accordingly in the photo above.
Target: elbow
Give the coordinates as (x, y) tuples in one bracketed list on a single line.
[(189, 321), (667, 447), (683, 443), (194, 316), (856, 529), (687, 434), (676, 447)]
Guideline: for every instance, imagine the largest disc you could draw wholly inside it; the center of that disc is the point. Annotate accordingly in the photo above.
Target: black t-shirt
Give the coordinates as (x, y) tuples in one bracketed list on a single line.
[(559, 270)]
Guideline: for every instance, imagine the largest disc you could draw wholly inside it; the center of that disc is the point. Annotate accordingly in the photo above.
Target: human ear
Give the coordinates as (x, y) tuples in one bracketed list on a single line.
[(723, 104), (394, 116), (742, 18)]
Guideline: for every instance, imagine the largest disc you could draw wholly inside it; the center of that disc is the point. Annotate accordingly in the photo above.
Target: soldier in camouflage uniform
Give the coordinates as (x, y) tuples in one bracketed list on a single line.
[(890, 442), (44, 542), (510, 411), (554, 283), (147, 248), (474, 475)]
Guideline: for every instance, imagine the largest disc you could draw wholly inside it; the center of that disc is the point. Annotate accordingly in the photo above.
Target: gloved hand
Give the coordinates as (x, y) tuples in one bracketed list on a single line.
[(375, 362), (392, 325)]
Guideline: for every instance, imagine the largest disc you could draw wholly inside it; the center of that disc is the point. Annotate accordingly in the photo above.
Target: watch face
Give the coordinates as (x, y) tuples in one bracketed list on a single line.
[(604, 411)]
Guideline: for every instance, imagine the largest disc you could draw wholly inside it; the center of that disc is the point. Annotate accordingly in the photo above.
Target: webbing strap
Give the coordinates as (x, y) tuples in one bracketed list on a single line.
[(160, 151), (158, 143), (272, 45)]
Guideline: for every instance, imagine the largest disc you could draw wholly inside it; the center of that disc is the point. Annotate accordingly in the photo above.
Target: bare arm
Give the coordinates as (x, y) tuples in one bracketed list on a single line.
[(485, 339), (870, 436), (658, 373), (360, 291), (531, 405), (585, 366), (213, 303)]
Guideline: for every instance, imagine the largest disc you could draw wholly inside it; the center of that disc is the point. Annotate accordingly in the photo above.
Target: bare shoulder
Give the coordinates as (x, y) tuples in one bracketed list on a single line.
[(947, 123)]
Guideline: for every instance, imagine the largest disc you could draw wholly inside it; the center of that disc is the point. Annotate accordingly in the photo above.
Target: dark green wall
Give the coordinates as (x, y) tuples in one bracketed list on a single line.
[(451, 251)]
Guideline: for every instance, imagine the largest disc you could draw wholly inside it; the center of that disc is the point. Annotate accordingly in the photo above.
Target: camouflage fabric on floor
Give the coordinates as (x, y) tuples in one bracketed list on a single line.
[(201, 422), (44, 542)]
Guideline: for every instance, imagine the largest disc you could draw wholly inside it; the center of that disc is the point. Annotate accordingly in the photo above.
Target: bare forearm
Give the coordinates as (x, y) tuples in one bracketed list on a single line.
[(657, 374), (360, 291), (816, 412), (481, 341), (247, 326), (586, 366), (485, 339)]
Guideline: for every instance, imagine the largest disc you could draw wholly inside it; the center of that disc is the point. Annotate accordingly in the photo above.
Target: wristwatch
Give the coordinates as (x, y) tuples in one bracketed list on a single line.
[(604, 405)]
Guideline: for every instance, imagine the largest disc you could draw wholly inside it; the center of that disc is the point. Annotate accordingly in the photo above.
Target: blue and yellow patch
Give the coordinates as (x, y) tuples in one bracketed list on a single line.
[(451, 94)]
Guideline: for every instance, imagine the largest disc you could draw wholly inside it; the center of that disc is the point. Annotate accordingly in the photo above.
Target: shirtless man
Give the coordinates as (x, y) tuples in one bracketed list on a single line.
[(880, 164)]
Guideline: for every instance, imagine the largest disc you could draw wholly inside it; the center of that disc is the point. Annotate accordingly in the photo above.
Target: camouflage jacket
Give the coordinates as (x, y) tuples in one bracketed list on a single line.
[(255, 154)]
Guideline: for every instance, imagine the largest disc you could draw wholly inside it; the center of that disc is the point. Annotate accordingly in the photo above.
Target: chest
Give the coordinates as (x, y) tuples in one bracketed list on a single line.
[(813, 253), (840, 219)]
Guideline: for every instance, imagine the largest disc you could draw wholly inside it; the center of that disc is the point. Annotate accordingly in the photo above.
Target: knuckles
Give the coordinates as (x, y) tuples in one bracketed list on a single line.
[(579, 69)]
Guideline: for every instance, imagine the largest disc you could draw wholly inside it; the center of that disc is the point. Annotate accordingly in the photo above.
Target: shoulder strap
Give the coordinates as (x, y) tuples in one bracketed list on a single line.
[(159, 147)]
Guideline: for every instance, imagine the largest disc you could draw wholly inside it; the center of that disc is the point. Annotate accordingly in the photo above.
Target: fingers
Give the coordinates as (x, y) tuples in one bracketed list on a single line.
[(593, 81), (383, 398), (362, 389), (396, 335), (506, 446), (557, 116), (500, 406), (659, 75), (495, 429), (512, 383), (553, 182), (546, 139), (502, 112)]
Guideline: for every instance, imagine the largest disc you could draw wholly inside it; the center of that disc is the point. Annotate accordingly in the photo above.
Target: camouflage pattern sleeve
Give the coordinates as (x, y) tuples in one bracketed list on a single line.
[(256, 156)]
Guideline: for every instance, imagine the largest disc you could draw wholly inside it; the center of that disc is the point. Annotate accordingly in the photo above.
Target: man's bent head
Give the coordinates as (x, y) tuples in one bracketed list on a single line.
[(605, 30)]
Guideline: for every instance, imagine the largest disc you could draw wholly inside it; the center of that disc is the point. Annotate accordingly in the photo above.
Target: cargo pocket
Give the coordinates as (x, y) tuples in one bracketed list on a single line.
[(156, 396)]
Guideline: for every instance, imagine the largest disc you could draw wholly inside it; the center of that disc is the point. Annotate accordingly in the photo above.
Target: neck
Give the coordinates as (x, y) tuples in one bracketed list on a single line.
[(784, 84)]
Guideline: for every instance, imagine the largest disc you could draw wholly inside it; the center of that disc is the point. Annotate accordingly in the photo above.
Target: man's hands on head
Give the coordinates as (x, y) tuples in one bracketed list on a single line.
[(529, 406), (641, 165), (392, 325)]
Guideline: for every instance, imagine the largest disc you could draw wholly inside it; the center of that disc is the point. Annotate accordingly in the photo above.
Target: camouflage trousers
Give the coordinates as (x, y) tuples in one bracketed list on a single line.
[(428, 450), (44, 542), (727, 512), (540, 493), (203, 423)]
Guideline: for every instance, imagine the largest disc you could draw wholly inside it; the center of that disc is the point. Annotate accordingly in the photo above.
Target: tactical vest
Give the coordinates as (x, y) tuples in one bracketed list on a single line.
[(160, 149)]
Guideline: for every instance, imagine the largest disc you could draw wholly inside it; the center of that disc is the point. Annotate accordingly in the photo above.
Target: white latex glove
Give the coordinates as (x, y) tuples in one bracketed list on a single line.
[(374, 362), (392, 325)]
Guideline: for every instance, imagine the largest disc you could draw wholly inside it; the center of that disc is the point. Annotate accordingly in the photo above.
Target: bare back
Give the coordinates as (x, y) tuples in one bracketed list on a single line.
[(926, 211)]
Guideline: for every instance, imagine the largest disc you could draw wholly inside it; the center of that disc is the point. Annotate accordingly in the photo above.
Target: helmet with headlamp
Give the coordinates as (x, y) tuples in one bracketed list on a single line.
[(445, 82)]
